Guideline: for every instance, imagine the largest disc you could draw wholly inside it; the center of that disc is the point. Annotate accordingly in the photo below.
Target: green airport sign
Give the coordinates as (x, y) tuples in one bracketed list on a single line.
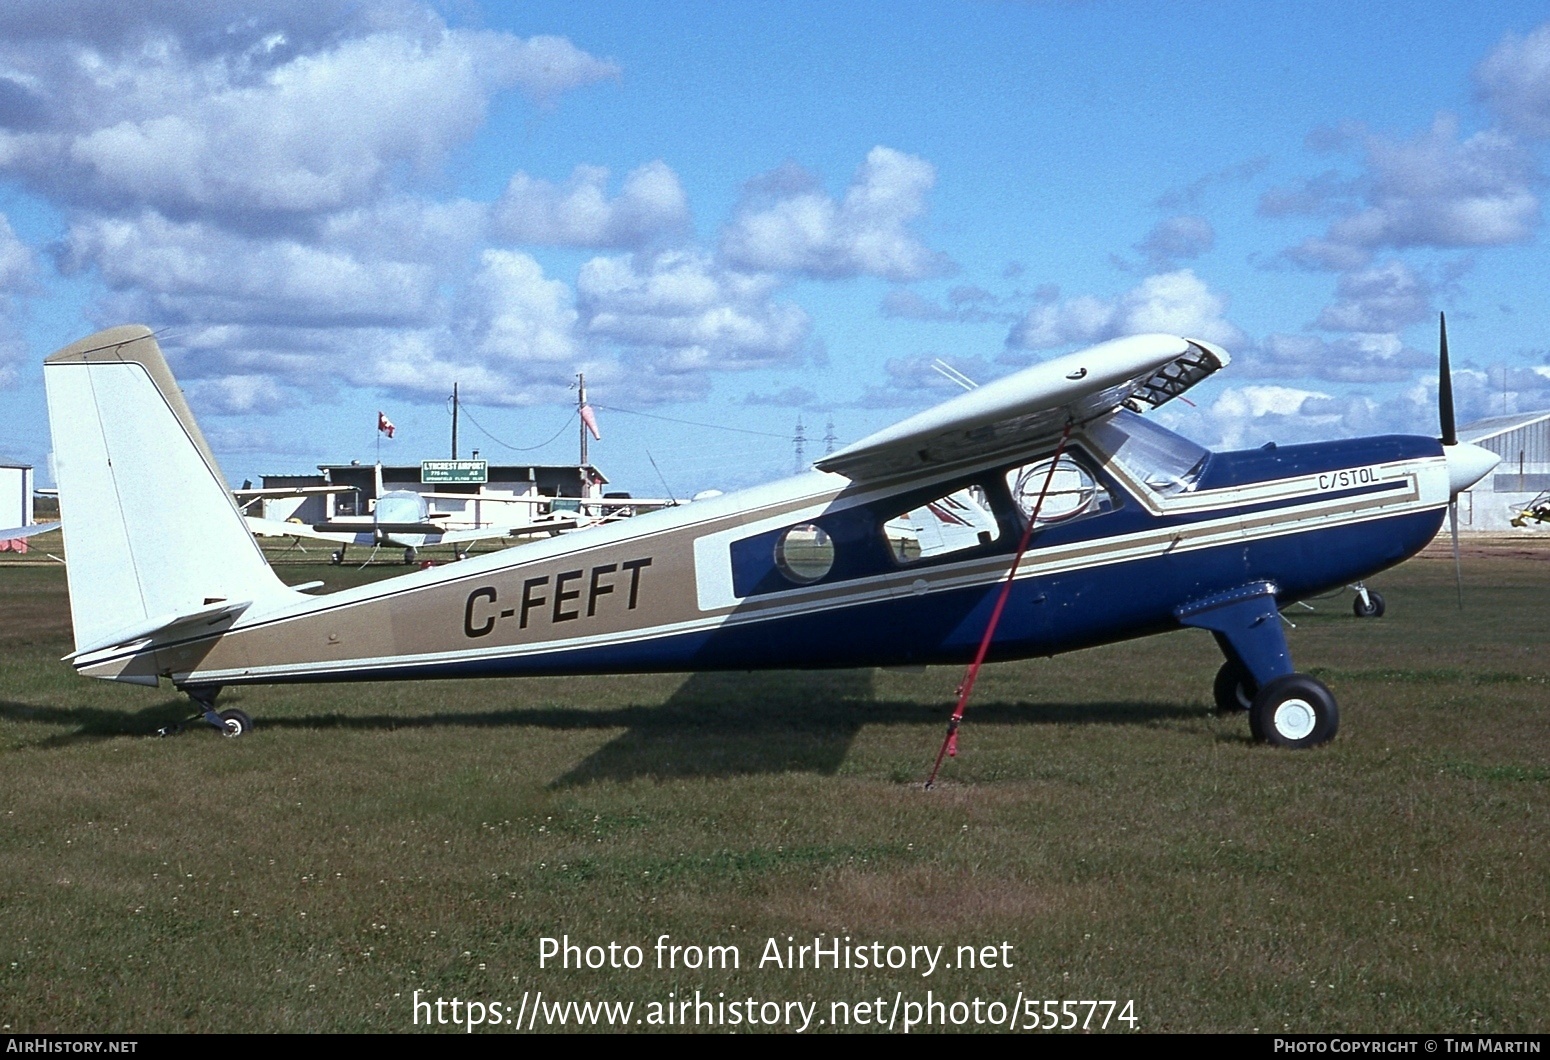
[(454, 471)]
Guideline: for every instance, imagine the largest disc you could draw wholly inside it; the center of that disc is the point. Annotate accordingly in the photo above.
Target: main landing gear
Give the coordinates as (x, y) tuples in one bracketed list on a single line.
[(1234, 688), (1296, 711), (230, 723), (1285, 709)]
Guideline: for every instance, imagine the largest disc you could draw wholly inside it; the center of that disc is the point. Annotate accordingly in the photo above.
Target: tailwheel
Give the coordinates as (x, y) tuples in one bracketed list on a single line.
[(1294, 711), (1233, 689), (235, 723)]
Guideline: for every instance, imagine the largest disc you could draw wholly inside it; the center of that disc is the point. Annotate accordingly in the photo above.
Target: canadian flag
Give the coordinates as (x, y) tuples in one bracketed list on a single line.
[(590, 419), (384, 424)]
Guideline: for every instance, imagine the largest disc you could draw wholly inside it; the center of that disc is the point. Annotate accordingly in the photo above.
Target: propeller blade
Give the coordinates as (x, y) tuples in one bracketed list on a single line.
[(1458, 566), (1445, 386)]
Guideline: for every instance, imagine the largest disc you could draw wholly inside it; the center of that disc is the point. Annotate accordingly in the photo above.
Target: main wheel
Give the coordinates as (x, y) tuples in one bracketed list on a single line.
[(1233, 688), (1373, 608), (235, 723), (1294, 711)]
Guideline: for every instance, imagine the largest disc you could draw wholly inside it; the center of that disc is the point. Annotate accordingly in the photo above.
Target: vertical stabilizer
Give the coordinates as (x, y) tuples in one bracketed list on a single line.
[(151, 530)]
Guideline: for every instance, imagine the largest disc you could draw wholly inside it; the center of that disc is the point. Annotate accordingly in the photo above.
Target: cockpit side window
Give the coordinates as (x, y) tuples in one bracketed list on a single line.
[(1165, 462), (954, 522)]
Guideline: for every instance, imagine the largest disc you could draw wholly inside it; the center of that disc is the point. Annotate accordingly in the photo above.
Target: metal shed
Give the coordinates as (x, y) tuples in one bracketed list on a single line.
[(15, 495), (1523, 443)]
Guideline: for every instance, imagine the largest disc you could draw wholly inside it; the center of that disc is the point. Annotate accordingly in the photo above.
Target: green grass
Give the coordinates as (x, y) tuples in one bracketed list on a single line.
[(371, 840)]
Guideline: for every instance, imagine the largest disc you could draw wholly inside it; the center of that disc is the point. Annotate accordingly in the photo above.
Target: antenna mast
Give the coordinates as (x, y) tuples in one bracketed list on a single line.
[(454, 421)]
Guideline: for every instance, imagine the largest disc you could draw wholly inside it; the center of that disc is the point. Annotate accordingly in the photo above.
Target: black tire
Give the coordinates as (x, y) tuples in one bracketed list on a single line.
[(336, 557), (1372, 609), (1233, 689), (236, 723), (1294, 711)]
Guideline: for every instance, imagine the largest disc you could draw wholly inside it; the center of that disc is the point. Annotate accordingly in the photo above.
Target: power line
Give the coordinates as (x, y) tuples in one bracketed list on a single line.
[(689, 423), (508, 445)]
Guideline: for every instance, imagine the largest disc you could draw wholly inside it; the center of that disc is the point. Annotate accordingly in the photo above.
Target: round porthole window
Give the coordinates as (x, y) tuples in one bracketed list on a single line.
[(804, 553), (1072, 491)]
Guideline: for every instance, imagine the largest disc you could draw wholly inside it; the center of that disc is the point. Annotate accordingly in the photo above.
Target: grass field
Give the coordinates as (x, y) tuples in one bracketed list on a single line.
[(371, 840)]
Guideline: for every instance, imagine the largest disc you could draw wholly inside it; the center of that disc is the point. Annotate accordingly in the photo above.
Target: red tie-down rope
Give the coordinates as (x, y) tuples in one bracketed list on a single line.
[(966, 686)]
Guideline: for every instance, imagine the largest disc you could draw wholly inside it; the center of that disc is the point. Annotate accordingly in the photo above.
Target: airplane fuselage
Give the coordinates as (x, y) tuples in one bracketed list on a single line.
[(723, 584)]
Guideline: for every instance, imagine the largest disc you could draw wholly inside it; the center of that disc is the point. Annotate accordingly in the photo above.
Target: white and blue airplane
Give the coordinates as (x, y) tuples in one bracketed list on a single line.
[(892, 551)]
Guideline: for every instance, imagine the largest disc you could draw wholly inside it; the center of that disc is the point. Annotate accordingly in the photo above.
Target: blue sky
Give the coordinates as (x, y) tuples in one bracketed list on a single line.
[(738, 214)]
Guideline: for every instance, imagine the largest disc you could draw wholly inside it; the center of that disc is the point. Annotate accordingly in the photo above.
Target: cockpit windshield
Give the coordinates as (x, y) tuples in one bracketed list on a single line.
[(1166, 462)]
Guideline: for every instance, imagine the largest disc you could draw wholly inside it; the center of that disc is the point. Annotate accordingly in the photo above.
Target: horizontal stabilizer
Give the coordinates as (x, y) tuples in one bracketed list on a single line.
[(163, 624), (1037, 402)]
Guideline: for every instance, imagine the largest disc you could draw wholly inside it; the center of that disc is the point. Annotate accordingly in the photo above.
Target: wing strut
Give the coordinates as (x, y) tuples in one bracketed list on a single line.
[(966, 686)]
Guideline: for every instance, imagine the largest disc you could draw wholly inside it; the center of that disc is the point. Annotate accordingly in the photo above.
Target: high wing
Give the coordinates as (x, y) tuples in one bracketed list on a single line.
[(1137, 372), (18, 532), (546, 525), (246, 497), (279, 528)]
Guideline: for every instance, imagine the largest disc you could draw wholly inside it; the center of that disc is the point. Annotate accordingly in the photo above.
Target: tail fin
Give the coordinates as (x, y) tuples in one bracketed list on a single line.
[(152, 535)]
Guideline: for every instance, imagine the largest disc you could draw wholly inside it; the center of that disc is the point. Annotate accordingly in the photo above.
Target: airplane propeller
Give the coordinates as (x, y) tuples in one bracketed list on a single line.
[(1449, 437)]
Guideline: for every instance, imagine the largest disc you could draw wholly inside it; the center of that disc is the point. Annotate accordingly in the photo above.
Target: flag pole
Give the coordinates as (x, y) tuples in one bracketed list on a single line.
[(581, 403)]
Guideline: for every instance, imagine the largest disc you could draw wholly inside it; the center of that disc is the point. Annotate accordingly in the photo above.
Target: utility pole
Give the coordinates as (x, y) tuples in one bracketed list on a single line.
[(801, 446), (454, 421), (581, 403)]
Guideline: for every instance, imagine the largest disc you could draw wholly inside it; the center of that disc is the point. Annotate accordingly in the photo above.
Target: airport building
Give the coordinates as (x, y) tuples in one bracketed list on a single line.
[(470, 493), (1523, 443)]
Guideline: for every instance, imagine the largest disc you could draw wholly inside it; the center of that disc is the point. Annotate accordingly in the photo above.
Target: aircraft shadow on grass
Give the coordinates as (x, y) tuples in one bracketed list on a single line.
[(714, 725)]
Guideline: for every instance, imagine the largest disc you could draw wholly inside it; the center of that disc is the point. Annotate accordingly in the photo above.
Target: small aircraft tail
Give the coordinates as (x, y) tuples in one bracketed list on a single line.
[(153, 538)]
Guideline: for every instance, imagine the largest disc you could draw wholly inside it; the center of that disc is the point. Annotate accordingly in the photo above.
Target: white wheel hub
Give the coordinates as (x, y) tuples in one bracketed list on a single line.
[(1295, 719)]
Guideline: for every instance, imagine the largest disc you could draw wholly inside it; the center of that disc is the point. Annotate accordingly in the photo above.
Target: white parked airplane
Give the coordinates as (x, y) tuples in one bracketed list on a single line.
[(403, 519)]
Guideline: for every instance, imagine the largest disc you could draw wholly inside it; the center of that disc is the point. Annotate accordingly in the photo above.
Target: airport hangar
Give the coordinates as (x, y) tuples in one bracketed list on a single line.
[(1523, 442)]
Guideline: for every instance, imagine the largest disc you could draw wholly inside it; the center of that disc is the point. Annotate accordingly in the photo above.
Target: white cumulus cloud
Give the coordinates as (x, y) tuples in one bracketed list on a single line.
[(1515, 80), (17, 276), (195, 272), (1175, 239), (789, 224), (1383, 298), (1178, 303), (1435, 190), (580, 213), (689, 313), (243, 136)]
